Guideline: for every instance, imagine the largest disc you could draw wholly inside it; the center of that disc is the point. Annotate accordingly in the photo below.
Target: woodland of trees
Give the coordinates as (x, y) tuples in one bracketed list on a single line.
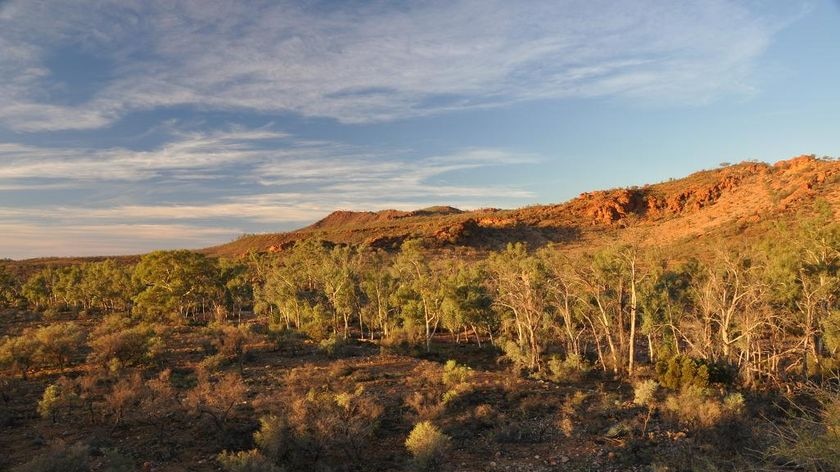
[(762, 314), (99, 343)]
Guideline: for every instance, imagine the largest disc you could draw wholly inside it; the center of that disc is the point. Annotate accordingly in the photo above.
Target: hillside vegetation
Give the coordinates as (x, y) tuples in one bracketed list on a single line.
[(708, 204), (688, 325)]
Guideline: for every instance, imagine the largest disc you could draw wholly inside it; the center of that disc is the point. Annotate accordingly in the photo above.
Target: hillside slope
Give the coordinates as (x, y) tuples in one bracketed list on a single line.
[(731, 200)]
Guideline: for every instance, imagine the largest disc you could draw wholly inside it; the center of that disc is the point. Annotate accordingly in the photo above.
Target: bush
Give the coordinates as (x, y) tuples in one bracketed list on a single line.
[(57, 396), (572, 369), (19, 353), (645, 393), (59, 341), (682, 372), (402, 340), (124, 398), (323, 422), (246, 461), (59, 458), (273, 438), (216, 399), (231, 342), (455, 375), (332, 346), (693, 406), (810, 437), (428, 446), (117, 344)]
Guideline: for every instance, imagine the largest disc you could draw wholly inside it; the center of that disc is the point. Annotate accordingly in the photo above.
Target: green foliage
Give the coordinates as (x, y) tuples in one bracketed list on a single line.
[(246, 461), (467, 302), (49, 400), (178, 286), (644, 394), (321, 428), (8, 289), (117, 343), (694, 406), (56, 397), (520, 283), (58, 342), (682, 372), (428, 446), (59, 458), (332, 346), (455, 375), (19, 353), (274, 438), (809, 438), (571, 369)]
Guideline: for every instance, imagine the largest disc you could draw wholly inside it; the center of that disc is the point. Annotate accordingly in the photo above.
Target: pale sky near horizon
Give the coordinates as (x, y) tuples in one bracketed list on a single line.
[(127, 126)]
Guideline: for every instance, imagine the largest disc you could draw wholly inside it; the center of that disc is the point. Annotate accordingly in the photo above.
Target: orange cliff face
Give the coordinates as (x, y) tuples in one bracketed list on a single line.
[(700, 203)]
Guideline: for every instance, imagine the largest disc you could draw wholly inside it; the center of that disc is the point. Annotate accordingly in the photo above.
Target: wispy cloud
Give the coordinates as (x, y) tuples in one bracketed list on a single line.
[(23, 240), (368, 62), (204, 188)]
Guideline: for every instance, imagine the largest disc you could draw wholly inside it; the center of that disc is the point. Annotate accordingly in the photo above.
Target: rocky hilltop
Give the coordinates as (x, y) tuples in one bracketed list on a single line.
[(729, 200)]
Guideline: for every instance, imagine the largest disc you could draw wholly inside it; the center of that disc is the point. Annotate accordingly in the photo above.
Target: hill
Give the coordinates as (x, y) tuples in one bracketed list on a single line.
[(735, 200)]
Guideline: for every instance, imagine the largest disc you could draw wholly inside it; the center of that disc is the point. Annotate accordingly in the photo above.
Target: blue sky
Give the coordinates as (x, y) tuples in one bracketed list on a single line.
[(130, 126)]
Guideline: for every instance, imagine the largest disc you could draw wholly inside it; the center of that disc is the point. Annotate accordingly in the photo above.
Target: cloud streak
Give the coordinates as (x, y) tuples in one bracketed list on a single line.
[(361, 63), (203, 188)]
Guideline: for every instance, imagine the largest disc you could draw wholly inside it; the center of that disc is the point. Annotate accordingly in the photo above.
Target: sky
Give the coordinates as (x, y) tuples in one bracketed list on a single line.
[(131, 126)]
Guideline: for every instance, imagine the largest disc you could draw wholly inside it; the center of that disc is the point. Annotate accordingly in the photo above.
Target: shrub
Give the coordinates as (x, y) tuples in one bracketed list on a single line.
[(426, 405), (231, 342), (59, 341), (572, 369), (59, 458), (117, 344), (402, 340), (246, 461), (332, 346), (57, 396), (681, 372), (19, 353), (322, 422), (159, 402), (694, 407), (274, 437), (427, 445), (645, 393), (51, 314), (810, 437), (455, 375), (124, 397), (216, 399), (733, 403), (517, 355)]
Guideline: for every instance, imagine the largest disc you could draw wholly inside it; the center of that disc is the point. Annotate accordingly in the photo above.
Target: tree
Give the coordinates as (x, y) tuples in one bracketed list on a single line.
[(19, 353), (8, 288), (58, 342), (180, 285), (378, 286), (239, 288), (419, 288), (520, 282), (38, 289), (467, 303)]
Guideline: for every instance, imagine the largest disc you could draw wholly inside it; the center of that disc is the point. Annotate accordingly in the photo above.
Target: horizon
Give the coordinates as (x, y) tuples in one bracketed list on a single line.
[(142, 126)]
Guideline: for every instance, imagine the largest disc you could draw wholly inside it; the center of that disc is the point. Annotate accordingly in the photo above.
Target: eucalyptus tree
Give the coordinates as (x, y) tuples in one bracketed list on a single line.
[(521, 293), (419, 293), (39, 288), (467, 302), (178, 285), (378, 284)]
